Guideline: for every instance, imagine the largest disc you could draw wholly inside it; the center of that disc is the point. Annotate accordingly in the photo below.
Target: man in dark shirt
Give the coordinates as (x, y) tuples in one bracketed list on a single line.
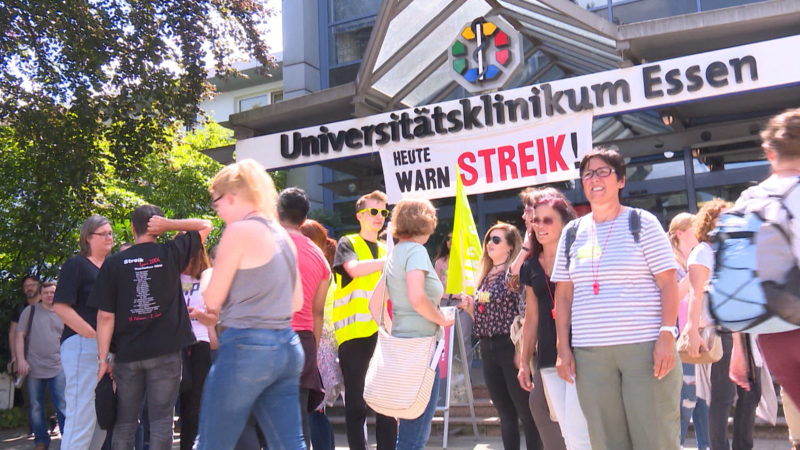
[(141, 309)]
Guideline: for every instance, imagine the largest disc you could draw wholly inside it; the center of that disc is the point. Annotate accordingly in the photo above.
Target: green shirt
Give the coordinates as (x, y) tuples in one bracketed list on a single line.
[(406, 322)]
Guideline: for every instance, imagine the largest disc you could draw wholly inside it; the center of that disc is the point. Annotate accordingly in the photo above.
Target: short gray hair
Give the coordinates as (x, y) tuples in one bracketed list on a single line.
[(89, 226)]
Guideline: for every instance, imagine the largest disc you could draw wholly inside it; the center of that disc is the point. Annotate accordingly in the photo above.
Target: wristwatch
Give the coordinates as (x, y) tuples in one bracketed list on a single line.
[(671, 330)]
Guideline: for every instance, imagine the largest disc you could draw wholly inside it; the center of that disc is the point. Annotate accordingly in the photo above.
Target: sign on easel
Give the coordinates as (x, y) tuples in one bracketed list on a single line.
[(453, 334)]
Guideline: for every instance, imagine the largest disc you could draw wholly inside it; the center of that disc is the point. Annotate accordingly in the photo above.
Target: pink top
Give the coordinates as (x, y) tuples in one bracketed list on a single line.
[(313, 269)]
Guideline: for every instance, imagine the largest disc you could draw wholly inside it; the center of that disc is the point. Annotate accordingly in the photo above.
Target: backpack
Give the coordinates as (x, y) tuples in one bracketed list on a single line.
[(756, 281), (634, 225)]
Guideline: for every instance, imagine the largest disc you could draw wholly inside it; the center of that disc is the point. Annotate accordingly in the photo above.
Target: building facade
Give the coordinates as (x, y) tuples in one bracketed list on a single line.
[(347, 59)]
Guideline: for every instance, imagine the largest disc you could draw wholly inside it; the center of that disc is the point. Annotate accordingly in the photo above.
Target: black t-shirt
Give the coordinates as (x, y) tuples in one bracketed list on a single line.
[(345, 252), (142, 287), (532, 274), (18, 308), (75, 283)]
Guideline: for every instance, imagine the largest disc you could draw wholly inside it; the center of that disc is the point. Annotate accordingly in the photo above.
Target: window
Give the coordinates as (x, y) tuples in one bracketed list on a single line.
[(246, 104), (259, 100), (349, 24)]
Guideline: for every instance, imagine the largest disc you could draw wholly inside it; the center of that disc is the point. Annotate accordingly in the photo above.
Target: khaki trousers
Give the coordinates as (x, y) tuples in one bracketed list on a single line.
[(626, 407)]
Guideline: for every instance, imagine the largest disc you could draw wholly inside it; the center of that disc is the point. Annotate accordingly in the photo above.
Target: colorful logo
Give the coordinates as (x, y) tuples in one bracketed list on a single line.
[(485, 54)]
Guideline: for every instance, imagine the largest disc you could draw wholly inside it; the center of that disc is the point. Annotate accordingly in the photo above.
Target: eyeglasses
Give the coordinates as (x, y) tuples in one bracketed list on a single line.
[(601, 172), (495, 239), (213, 203), (107, 234), (376, 211), (543, 220)]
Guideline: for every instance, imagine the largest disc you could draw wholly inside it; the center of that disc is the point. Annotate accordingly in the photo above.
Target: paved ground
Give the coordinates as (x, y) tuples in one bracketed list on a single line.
[(17, 440)]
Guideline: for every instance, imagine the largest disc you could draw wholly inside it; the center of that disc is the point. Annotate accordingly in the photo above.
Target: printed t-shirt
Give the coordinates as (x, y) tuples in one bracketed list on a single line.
[(406, 321), (532, 274), (43, 349), (75, 282), (313, 269), (192, 297), (345, 252), (627, 308), (142, 287)]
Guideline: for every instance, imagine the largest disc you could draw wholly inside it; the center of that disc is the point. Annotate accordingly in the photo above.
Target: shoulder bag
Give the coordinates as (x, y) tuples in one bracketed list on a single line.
[(401, 372)]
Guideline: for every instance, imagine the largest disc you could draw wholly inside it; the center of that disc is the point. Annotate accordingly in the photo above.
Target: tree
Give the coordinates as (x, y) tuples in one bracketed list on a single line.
[(90, 89), (92, 95)]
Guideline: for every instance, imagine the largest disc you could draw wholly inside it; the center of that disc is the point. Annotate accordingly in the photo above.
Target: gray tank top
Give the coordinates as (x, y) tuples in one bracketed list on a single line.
[(261, 297)]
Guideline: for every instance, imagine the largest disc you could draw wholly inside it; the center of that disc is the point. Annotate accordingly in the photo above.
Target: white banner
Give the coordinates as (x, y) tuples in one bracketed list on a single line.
[(761, 65), (496, 160)]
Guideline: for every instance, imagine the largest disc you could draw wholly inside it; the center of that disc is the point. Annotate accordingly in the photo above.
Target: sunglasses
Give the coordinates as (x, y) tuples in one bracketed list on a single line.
[(376, 211), (543, 220), (495, 239), (600, 172)]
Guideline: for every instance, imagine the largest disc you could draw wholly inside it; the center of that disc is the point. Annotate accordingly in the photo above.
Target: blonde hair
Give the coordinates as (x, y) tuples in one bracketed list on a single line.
[(513, 239), (374, 195), (706, 218), (413, 217), (782, 134), (681, 222), (249, 179)]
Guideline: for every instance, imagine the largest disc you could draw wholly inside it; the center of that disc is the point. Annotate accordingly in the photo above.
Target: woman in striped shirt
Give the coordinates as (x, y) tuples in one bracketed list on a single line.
[(618, 296)]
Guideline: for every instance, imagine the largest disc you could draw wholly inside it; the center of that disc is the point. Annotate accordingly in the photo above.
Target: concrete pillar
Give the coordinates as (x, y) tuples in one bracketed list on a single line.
[(301, 68)]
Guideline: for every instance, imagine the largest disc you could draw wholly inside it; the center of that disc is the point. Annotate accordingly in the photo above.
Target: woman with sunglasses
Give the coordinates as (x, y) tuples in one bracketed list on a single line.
[(550, 215), (616, 309), (494, 308)]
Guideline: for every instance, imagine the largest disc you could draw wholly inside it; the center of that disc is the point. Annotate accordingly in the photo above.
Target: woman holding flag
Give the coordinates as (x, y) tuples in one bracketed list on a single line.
[(494, 308)]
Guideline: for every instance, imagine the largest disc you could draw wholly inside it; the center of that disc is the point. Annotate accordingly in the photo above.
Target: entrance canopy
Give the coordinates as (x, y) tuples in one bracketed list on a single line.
[(405, 66), (406, 62)]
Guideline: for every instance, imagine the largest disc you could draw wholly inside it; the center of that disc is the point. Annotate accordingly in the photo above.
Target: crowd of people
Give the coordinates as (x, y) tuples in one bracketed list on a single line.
[(576, 322)]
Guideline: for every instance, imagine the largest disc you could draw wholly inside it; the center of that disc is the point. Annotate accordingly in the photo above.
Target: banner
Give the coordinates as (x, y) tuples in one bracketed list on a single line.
[(745, 68), (465, 247), (529, 155)]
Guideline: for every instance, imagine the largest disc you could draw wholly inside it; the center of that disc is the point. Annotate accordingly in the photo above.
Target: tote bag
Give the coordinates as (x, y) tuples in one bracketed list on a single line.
[(400, 377)]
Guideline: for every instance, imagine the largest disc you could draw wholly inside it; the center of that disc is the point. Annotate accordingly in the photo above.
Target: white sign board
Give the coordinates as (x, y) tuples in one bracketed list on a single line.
[(728, 71), (496, 160)]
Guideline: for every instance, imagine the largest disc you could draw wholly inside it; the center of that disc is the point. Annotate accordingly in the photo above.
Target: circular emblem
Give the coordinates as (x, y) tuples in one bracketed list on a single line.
[(485, 54)]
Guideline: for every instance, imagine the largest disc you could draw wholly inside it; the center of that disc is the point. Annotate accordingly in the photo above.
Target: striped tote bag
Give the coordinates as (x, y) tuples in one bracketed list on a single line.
[(400, 378)]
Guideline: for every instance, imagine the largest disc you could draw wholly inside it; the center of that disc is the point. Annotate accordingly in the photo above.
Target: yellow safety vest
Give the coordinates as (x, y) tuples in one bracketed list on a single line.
[(351, 316)]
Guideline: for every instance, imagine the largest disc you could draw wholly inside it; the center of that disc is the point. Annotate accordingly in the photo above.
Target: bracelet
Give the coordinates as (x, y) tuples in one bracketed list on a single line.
[(107, 359)]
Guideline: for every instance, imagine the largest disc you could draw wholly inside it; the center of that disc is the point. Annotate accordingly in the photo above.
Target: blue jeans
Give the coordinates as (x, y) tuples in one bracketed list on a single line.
[(256, 370), (693, 408), (413, 434), (322, 437), (79, 359), (36, 388), (158, 378)]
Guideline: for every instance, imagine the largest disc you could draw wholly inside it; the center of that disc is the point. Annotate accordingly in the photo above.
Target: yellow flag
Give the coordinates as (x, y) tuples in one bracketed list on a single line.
[(465, 247)]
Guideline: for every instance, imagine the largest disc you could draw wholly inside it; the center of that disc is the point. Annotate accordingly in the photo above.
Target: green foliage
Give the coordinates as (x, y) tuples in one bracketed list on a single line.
[(92, 97), (13, 418)]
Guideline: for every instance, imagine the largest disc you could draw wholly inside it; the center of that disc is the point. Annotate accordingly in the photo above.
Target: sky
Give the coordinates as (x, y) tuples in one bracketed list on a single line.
[(275, 33)]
